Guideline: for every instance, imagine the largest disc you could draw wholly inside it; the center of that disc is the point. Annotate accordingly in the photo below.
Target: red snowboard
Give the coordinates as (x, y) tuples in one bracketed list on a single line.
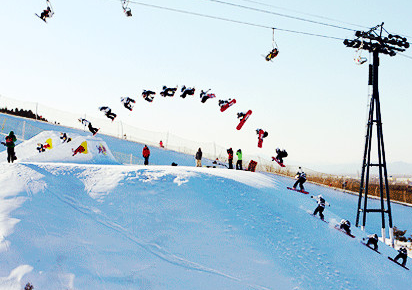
[(277, 161), (302, 191), (243, 120), (227, 105), (260, 138)]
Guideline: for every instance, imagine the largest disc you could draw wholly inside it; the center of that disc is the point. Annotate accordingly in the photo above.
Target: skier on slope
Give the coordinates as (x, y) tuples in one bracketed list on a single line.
[(239, 160), (230, 157), (301, 179), (89, 126), (345, 225), (127, 103), (280, 155), (321, 206), (10, 139), (148, 95), (372, 240), (108, 112), (146, 154), (199, 158), (402, 254)]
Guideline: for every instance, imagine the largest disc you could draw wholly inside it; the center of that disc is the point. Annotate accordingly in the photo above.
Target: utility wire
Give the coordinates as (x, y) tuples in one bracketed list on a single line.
[(232, 20), (308, 14), (282, 15)]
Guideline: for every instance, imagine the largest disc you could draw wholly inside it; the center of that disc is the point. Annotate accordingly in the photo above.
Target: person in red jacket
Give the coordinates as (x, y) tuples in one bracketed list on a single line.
[(146, 154), (230, 157)]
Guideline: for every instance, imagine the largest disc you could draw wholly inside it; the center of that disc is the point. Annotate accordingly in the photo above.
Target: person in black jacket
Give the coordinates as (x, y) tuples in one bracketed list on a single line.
[(301, 176), (403, 254), (199, 158), (10, 139), (321, 206)]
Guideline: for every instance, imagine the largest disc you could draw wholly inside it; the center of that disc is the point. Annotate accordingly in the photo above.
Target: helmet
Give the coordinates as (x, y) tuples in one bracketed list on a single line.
[(320, 196)]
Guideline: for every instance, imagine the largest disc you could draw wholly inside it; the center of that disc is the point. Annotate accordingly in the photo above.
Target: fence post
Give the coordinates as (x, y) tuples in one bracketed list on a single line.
[(24, 128), (131, 159)]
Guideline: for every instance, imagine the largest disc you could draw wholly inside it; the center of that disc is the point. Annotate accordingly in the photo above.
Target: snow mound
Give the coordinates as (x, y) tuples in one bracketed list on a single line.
[(79, 149)]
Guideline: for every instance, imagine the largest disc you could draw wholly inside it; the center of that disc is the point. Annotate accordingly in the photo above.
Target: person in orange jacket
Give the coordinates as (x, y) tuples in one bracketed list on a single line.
[(146, 154)]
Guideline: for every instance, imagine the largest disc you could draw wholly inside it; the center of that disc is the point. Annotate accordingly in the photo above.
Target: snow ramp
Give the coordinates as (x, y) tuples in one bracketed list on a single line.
[(48, 146), (75, 226)]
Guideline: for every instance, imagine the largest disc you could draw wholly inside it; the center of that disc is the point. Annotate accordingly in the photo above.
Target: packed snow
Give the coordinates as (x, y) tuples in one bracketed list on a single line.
[(88, 222)]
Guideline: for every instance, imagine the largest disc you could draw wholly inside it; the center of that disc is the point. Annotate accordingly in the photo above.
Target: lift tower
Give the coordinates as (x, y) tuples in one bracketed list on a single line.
[(375, 43)]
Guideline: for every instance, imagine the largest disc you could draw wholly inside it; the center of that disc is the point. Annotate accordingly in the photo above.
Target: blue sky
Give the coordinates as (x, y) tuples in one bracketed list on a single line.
[(312, 99)]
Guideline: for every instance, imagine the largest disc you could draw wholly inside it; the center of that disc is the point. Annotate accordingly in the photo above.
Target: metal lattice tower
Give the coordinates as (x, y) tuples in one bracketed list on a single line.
[(375, 43)]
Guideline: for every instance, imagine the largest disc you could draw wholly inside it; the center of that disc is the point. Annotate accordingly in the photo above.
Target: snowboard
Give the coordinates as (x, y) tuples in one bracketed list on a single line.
[(398, 263), (260, 138), (244, 119), (341, 230), (227, 105), (302, 191), (40, 17), (96, 132), (370, 247), (319, 218), (277, 161)]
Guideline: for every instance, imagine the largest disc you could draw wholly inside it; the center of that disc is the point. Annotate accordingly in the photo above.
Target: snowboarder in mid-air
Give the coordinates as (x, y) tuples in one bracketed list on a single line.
[(280, 155), (148, 95), (108, 112), (321, 206), (301, 179), (402, 254), (47, 13), (168, 92), (261, 134), (89, 126), (127, 103), (204, 96), (187, 92)]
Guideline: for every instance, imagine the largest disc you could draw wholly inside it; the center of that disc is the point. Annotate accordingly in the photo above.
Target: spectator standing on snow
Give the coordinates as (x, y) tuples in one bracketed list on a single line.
[(230, 157), (199, 158), (10, 139), (146, 154), (239, 160)]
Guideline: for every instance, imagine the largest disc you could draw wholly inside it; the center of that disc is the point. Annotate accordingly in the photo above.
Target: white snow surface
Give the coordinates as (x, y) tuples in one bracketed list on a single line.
[(89, 223)]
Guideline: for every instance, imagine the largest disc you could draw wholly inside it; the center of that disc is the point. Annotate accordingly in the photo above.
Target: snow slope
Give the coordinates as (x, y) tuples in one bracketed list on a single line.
[(96, 225)]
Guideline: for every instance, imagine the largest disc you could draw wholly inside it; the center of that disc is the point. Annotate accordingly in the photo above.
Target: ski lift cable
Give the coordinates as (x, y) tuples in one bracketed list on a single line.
[(281, 14), (233, 21), (307, 14)]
